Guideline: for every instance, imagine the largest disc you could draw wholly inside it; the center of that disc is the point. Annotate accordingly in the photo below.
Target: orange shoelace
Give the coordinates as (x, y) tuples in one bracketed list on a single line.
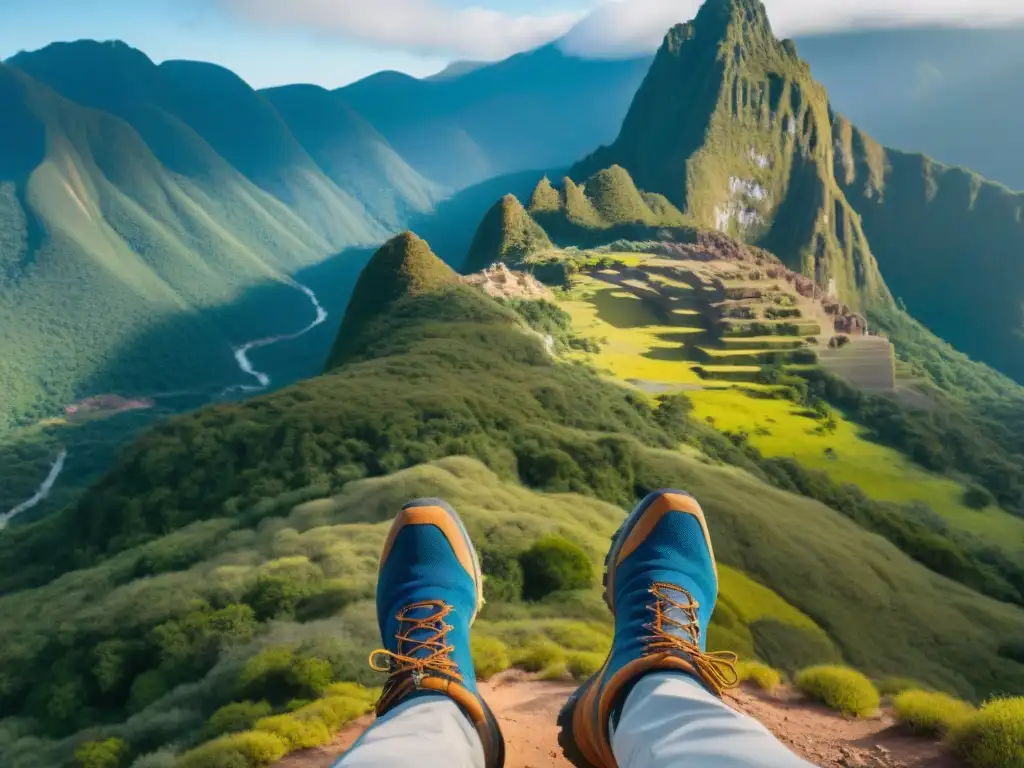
[(431, 645), (672, 635)]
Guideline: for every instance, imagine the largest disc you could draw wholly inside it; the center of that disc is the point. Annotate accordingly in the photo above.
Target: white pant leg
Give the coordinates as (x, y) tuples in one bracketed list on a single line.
[(671, 721), (427, 731)]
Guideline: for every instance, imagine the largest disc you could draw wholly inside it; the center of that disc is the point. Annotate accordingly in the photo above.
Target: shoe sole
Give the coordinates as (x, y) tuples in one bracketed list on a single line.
[(566, 738), (478, 576)]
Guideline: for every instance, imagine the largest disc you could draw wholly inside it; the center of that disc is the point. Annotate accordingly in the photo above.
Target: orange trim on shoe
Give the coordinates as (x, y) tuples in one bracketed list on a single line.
[(439, 518), (669, 502)]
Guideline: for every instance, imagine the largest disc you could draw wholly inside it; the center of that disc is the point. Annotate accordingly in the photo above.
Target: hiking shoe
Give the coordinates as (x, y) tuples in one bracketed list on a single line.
[(429, 591), (661, 584)]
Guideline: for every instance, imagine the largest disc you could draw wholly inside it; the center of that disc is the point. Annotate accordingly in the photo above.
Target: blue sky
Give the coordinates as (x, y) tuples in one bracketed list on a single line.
[(333, 42)]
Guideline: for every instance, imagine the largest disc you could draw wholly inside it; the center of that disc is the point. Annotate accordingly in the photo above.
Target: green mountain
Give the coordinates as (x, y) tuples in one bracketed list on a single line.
[(947, 241), (404, 266), (507, 234), (730, 126), (608, 206), (231, 548), (940, 91), (169, 192)]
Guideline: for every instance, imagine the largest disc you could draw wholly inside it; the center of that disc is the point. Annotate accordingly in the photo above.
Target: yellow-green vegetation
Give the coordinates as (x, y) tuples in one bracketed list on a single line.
[(993, 737), (539, 655), (111, 753), (252, 749), (273, 737), (893, 686), (841, 688), (930, 712), (638, 347), (583, 664), (764, 677), (490, 656), (782, 428)]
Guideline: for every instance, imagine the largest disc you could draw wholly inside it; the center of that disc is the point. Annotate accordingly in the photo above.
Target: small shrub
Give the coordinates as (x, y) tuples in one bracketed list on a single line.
[(235, 718), (977, 497), (538, 655), (162, 758), (335, 711), (112, 753), (554, 672), (928, 712), (894, 686), (993, 737), (583, 664), (252, 749), (352, 691), (764, 677), (503, 576), (490, 656), (295, 731), (578, 636), (553, 565), (841, 688)]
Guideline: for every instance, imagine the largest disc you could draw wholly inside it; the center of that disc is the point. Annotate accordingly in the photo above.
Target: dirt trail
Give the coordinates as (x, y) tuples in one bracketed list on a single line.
[(527, 710)]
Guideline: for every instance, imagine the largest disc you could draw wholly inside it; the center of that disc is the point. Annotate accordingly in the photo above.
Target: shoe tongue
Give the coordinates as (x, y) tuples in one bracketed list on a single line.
[(672, 610), (426, 633)]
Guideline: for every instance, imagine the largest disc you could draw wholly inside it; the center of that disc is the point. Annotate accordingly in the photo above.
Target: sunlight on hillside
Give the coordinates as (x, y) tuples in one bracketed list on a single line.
[(638, 347), (776, 428)]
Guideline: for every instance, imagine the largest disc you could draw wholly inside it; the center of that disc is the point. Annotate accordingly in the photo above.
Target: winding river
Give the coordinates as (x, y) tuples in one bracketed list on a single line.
[(41, 494), (244, 363), (242, 352)]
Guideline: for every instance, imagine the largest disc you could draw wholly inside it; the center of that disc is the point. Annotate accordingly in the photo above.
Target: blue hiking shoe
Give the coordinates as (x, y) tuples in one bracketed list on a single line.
[(661, 583), (429, 591)]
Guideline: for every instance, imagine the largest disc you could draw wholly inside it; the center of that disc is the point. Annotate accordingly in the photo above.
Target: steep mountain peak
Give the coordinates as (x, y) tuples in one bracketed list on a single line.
[(403, 266), (508, 233), (545, 197), (730, 126)]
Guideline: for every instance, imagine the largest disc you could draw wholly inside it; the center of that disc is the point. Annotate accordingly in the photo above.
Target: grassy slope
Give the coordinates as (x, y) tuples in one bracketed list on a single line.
[(337, 540), (640, 349)]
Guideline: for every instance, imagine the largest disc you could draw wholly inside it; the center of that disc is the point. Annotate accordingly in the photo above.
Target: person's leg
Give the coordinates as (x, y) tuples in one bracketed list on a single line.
[(429, 591), (659, 689), (422, 732), (671, 720)]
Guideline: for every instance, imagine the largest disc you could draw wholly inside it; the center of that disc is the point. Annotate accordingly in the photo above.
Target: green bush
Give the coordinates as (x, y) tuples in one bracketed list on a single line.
[(993, 737), (112, 753), (336, 711), (894, 686), (583, 664), (977, 497), (930, 712), (252, 749), (554, 565), (490, 656), (538, 655), (554, 672), (841, 688), (297, 732), (235, 718), (503, 576), (764, 677)]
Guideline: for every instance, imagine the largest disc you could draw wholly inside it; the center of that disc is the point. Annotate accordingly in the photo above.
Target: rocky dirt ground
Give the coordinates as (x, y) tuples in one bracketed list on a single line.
[(528, 709)]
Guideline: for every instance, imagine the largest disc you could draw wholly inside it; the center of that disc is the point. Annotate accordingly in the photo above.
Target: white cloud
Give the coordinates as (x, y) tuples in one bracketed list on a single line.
[(624, 27), (421, 26)]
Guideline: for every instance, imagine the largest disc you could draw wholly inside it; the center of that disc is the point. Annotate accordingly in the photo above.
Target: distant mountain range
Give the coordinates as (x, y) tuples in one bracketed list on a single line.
[(140, 201)]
